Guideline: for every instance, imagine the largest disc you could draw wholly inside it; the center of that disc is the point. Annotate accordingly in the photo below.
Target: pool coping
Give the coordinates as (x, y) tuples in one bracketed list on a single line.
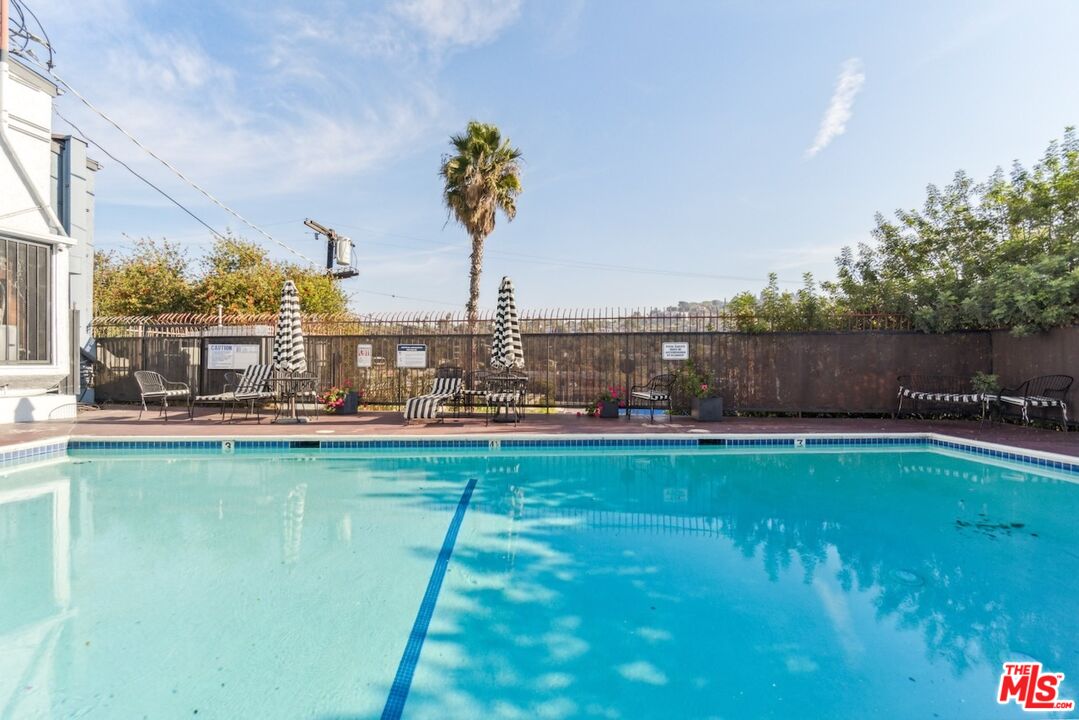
[(56, 447)]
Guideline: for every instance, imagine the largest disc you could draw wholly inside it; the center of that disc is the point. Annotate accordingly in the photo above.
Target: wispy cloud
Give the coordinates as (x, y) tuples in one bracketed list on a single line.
[(324, 93), (460, 22), (840, 108), (562, 31)]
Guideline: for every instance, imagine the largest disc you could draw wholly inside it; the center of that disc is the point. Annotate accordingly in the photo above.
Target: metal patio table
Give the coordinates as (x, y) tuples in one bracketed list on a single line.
[(287, 387), (501, 388)]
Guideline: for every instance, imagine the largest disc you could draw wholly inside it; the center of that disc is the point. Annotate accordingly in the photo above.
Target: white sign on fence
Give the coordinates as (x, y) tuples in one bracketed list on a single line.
[(222, 356), (411, 356), (676, 351), (363, 356)]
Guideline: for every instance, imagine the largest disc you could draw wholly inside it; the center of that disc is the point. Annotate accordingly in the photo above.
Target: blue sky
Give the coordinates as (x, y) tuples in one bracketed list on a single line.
[(711, 142)]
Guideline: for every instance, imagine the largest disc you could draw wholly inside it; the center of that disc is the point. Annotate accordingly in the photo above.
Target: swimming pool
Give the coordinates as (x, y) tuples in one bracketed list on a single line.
[(631, 582)]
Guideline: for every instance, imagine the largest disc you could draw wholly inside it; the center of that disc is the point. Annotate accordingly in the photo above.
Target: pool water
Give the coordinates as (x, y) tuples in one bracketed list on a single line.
[(695, 583)]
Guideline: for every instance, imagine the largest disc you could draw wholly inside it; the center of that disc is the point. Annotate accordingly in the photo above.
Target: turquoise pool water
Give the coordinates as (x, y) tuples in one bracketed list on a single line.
[(693, 583)]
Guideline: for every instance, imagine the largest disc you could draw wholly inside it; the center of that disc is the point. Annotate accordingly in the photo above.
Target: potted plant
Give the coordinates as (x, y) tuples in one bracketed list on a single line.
[(707, 405), (985, 384), (689, 388), (606, 404), (988, 386), (341, 400)]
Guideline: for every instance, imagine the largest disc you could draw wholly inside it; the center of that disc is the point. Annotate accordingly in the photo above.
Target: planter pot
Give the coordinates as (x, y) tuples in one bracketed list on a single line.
[(608, 410), (352, 404), (707, 409)]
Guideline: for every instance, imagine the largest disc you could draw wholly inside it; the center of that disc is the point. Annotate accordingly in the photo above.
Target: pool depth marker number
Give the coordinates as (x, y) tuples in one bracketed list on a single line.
[(402, 681)]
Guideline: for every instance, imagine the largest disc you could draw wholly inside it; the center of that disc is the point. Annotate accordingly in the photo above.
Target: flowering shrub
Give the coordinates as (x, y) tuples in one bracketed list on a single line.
[(691, 382), (707, 391), (614, 393), (334, 398)]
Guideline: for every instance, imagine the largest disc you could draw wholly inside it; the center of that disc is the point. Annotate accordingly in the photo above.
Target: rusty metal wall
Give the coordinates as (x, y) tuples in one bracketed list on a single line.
[(852, 372)]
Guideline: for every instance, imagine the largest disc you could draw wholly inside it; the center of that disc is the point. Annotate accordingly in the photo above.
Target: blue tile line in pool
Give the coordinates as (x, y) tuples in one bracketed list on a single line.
[(243, 446), (402, 681), (36, 453)]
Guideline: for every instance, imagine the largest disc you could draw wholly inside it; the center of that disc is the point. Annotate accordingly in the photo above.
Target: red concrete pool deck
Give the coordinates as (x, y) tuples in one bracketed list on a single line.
[(124, 422)]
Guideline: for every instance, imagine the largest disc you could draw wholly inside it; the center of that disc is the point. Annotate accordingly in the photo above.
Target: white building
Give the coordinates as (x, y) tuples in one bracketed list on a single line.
[(46, 252)]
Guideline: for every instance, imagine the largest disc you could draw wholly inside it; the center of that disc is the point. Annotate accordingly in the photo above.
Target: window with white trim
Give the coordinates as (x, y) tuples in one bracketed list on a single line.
[(25, 302)]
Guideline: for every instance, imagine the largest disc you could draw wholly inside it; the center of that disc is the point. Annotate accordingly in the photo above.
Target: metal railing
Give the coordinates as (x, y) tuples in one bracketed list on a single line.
[(542, 321)]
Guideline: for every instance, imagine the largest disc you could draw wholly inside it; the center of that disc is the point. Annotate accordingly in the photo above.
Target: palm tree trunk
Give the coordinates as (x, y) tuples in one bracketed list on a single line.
[(474, 296), (474, 280)]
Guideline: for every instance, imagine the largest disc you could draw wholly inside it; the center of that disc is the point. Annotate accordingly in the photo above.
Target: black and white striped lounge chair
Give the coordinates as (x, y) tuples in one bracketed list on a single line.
[(1046, 391), (938, 392), (447, 387), (252, 389), (655, 393), (154, 386)]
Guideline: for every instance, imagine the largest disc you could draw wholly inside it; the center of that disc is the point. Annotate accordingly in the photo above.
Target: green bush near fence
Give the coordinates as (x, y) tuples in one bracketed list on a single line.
[(1001, 253)]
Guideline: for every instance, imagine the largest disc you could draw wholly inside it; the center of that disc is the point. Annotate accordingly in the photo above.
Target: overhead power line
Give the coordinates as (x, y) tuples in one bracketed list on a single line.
[(131, 170), (413, 299), (205, 193)]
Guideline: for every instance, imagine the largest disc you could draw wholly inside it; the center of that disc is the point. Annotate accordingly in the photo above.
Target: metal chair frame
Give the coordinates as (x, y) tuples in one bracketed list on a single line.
[(154, 386), (659, 384), (1054, 387)]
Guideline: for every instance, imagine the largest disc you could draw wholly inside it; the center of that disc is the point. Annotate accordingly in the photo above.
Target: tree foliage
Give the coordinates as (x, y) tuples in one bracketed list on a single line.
[(236, 274), (1003, 253), (150, 280), (776, 310), (481, 176)]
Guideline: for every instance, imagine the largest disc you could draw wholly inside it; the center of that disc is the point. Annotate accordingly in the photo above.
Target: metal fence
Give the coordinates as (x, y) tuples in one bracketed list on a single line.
[(533, 322), (848, 364)]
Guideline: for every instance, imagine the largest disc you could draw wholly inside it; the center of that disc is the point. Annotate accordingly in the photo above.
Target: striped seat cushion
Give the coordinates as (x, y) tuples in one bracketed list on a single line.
[(234, 397), (942, 396), (167, 393), (502, 398), (446, 386), (252, 386), (1032, 401), (653, 395), (426, 407), (254, 381)]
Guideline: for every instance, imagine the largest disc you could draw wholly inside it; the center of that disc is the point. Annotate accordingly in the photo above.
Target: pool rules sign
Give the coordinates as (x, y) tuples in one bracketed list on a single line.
[(676, 351), (412, 356), (364, 354)]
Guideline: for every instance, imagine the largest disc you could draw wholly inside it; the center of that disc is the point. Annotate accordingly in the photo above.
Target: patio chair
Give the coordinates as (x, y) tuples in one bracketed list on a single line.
[(232, 379), (252, 389), (1046, 391), (656, 392), (446, 388), (475, 389), (154, 386), (504, 394), (941, 392), (307, 397)]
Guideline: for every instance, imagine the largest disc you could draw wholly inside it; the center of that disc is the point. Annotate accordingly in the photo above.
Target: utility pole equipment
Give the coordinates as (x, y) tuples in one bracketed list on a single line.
[(338, 250)]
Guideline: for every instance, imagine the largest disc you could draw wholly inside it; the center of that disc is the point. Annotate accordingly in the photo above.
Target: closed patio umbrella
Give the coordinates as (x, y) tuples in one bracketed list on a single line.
[(288, 350), (507, 352)]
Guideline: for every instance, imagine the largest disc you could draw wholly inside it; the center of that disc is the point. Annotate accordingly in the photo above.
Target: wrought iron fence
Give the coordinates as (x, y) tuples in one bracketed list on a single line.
[(543, 321)]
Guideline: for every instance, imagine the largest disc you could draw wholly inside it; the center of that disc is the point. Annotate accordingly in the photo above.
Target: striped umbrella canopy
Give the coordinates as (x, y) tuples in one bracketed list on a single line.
[(288, 352), (507, 352)]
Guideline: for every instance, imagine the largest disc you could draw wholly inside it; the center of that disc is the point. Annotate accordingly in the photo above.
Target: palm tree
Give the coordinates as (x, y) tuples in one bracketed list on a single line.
[(482, 175)]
